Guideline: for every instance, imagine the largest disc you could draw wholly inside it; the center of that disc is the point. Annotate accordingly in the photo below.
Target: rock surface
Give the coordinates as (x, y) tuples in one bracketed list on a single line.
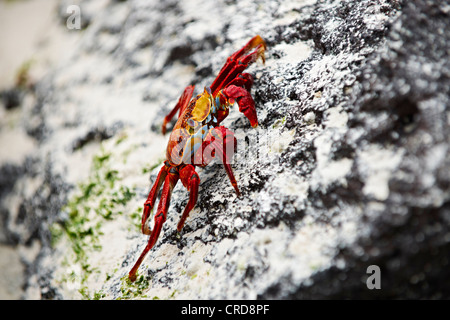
[(350, 166)]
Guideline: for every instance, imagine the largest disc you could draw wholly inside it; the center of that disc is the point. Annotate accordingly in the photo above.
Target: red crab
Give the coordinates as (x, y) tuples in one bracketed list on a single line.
[(198, 137)]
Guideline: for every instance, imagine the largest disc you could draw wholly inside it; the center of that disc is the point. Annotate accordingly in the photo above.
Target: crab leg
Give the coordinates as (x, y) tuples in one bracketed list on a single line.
[(150, 202), (182, 103), (191, 181), (170, 181), (221, 142), (226, 154), (238, 62)]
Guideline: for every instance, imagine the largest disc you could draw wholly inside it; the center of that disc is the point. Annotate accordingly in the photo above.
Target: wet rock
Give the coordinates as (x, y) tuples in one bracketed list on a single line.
[(348, 169)]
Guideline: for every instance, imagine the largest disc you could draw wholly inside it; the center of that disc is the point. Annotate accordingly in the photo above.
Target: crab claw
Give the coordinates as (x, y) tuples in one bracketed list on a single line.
[(247, 107), (238, 62), (256, 43), (245, 102)]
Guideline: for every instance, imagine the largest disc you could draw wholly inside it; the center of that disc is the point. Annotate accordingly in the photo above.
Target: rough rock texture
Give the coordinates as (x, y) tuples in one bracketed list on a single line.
[(350, 166)]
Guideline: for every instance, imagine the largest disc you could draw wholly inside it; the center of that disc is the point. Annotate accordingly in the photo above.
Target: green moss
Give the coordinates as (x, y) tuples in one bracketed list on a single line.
[(314, 267), (109, 275), (99, 295), (173, 293), (130, 290), (121, 137), (127, 152), (23, 74), (149, 168), (279, 122), (135, 218), (99, 199)]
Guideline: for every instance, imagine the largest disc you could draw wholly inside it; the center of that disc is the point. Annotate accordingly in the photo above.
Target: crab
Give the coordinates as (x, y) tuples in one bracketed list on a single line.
[(198, 138)]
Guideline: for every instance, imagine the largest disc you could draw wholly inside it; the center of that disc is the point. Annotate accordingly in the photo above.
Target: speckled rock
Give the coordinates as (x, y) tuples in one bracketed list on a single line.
[(348, 168)]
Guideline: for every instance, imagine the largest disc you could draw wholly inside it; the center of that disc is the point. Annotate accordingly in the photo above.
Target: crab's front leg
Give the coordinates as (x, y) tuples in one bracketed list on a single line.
[(232, 84), (238, 62)]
